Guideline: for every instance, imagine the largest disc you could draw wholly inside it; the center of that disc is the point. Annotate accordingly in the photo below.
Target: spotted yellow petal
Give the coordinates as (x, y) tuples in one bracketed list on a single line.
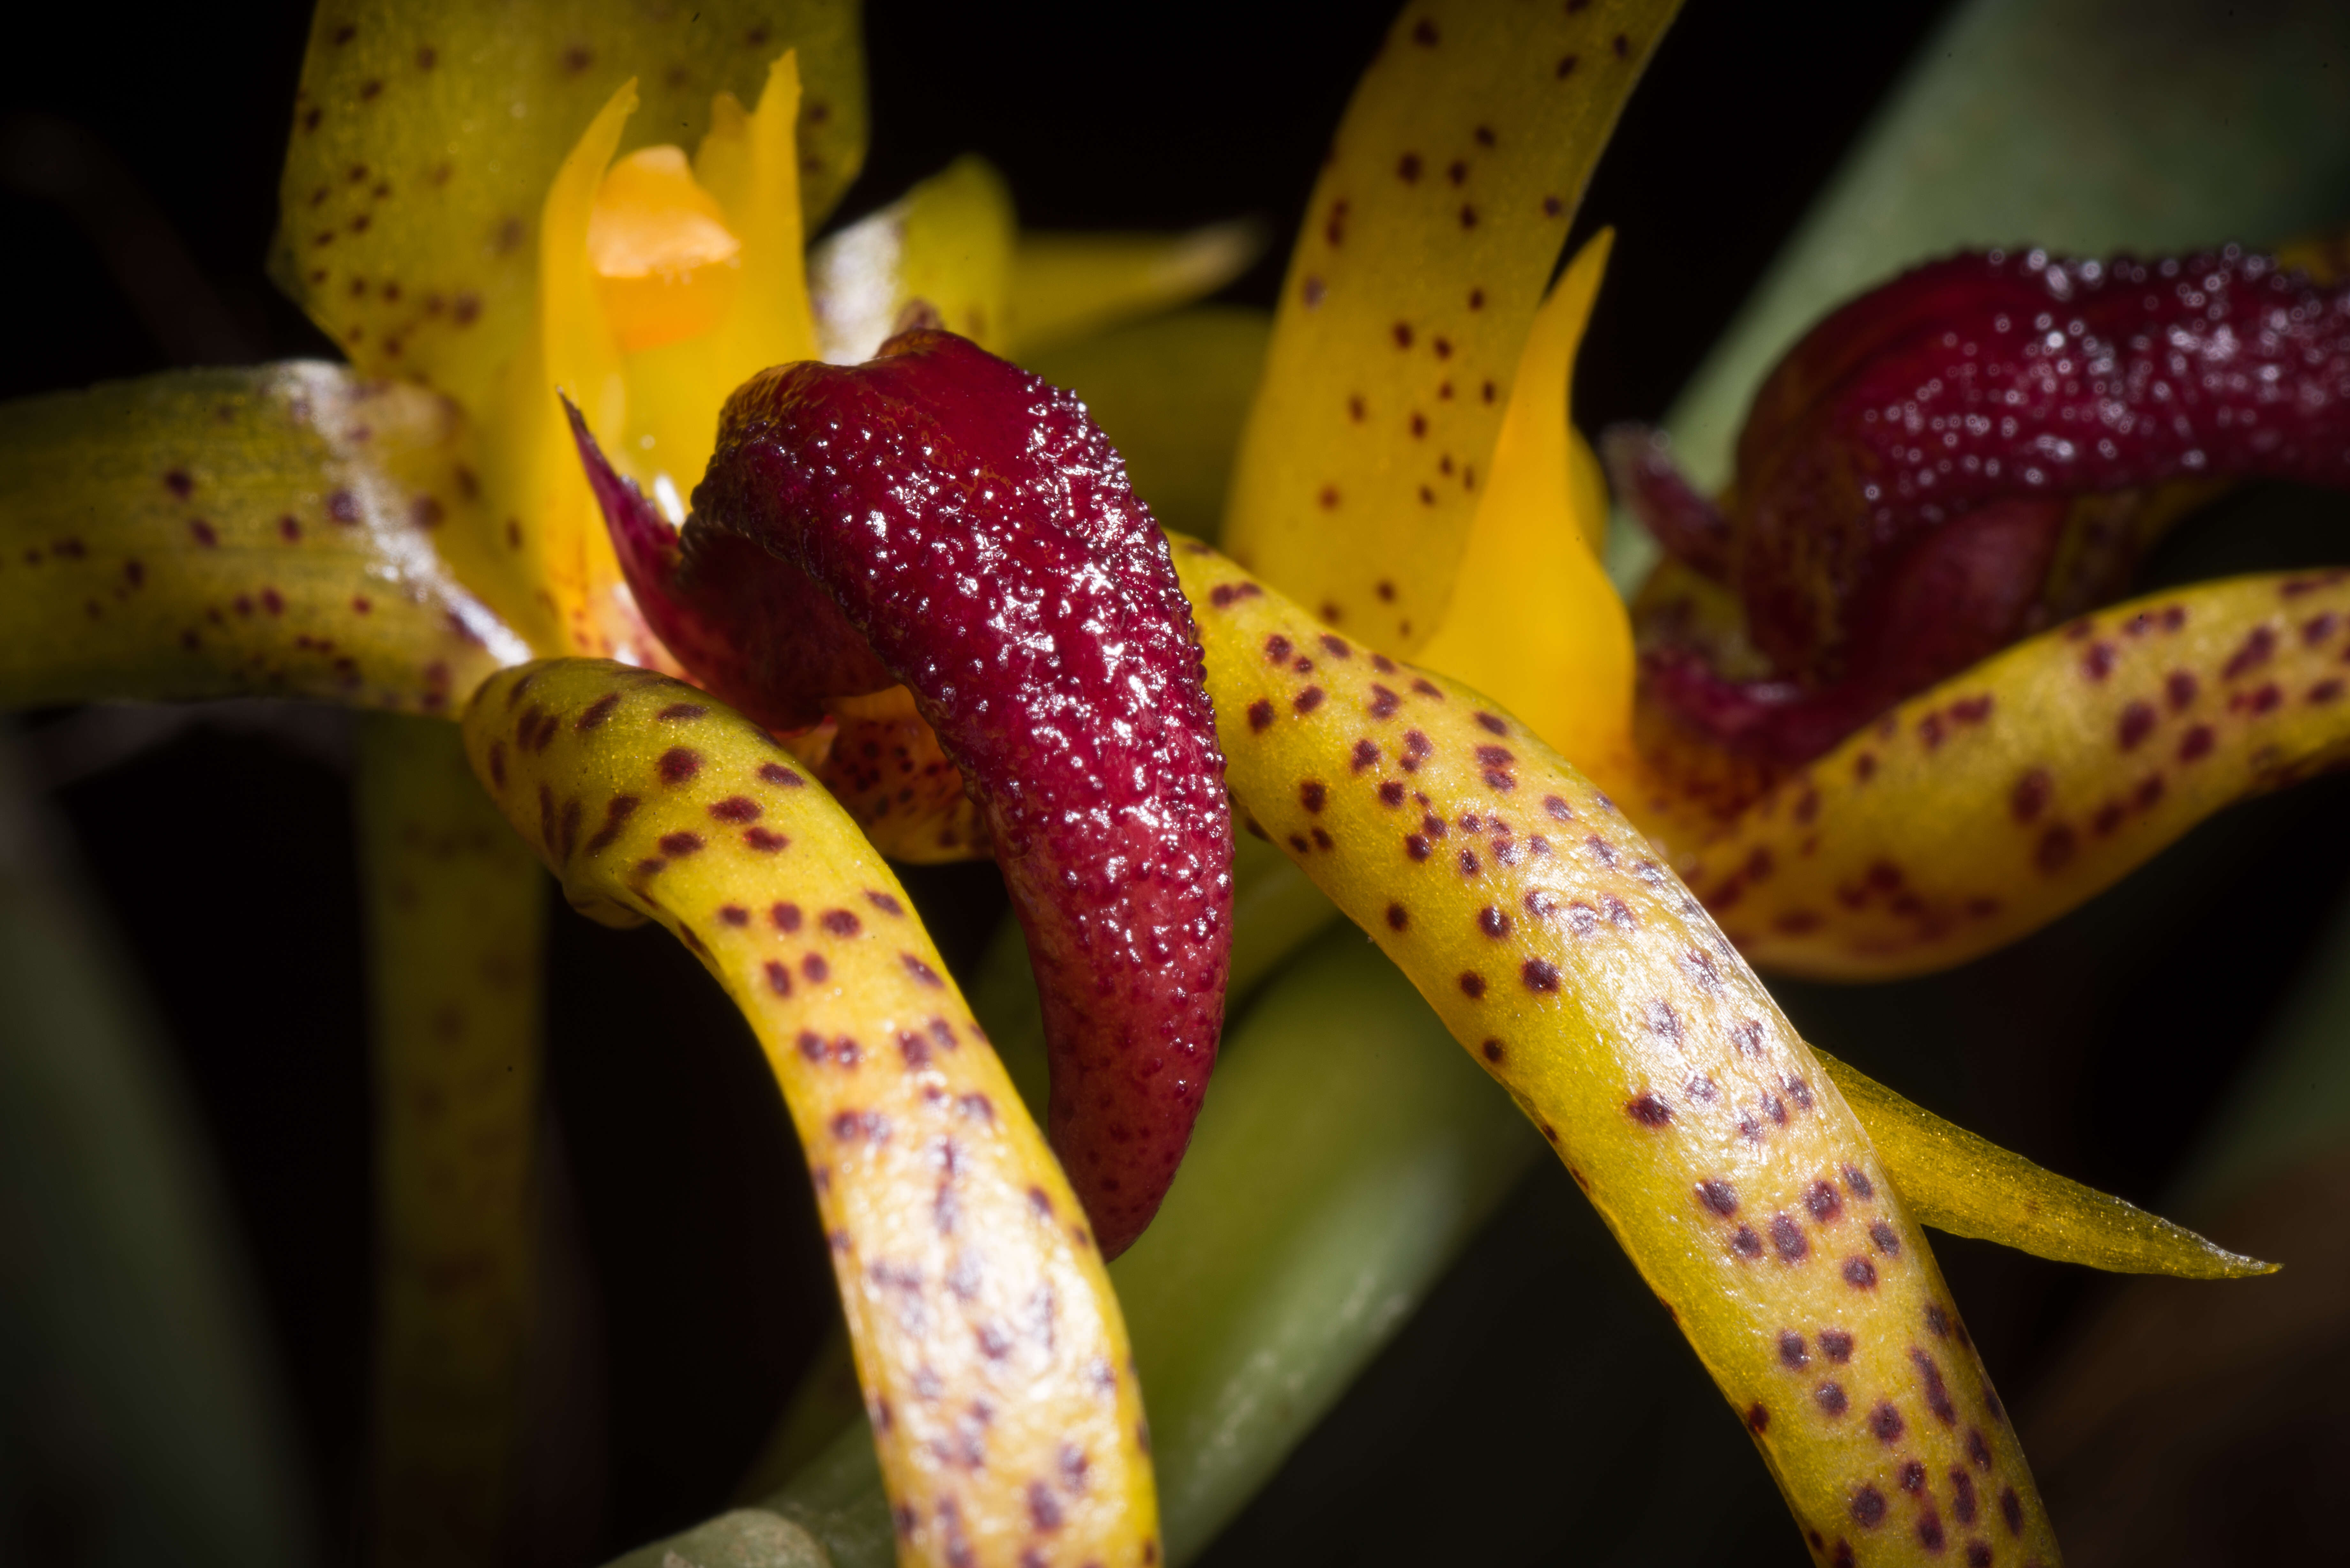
[(1581, 975), (994, 1360), (1068, 287), (425, 135), (1433, 230), (455, 910), (266, 531), (1985, 807), (1533, 620)]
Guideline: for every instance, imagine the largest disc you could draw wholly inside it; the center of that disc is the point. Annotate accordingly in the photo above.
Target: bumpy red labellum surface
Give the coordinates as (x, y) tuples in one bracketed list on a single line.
[(1906, 475), (940, 518)]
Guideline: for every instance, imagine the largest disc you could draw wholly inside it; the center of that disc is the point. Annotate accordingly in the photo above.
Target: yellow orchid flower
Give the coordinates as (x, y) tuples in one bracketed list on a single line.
[(398, 536)]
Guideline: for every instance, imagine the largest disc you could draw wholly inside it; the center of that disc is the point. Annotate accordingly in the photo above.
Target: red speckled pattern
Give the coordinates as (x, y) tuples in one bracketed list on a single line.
[(964, 526), (1906, 473)]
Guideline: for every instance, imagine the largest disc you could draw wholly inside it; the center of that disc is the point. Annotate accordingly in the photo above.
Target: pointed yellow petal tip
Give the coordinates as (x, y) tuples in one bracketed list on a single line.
[(1968, 1186), (1533, 621)]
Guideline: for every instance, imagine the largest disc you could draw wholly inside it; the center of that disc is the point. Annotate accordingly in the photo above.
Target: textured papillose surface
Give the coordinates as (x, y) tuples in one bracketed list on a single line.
[(1906, 475), (940, 518)]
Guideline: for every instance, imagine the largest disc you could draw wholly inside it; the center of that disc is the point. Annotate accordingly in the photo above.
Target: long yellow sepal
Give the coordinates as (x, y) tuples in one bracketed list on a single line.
[(1576, 970), (1432, 233), (994, 1360), (455, 919), (266, 531), (1983, 809)]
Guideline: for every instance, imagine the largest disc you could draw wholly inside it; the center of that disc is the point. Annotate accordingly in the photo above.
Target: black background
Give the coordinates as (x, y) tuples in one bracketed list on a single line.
[(2100, 1047)]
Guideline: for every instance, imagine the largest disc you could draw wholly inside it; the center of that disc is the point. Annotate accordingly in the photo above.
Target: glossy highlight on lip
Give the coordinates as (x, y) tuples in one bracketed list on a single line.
[(1964, 455), (940, 517)]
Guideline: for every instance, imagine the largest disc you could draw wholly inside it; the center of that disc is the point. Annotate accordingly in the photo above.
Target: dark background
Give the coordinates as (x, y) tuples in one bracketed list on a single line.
[(2099, 1047)]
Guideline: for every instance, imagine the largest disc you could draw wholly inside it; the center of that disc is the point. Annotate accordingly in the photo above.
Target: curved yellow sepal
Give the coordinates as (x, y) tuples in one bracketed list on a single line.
[(1989, 804), (946, 244), (1969, 1186), (426, 133), (1579, 973), (1068, 287), (1431, 231), (455, 910), (266, 532), (992, 1356), (1533, 620)]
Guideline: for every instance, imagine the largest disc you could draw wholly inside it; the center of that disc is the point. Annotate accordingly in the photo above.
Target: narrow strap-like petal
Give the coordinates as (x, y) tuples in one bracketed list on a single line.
[(266, 532), (455, 910), (1988, 805), (1430, 235), (1065, 287), (944, 248), (1588, 982), (1004, 1405), (1970, 1186)]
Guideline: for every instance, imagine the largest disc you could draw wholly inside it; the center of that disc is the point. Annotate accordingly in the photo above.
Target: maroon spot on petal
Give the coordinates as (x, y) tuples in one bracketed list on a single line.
[(814, 970), (1391, 793), (1305, 702), (1881, 1235), (2056, 847), (1367, 755), (1937, 1322), (779, 978), (1468, 861), (1856, 1182), (1831, 1399), (767, 841), (922, 971), (841, 923), (1260, 715), (2181, 688), (2196, 743), (2030, 797), (786, 917), (2010, 1509), (1930, 1529), (1313, 794), (1788, 1238), (1558, 808), (679, 765), (776, 773), (1823, 1202), (1794, 1354), (1539, 974), (1745, 1242), (616, 812), (1758, 1418), (678, 844), (2255, 651), (1887, 1422), (1416, 845), (1835, 1345), (1912, 1477), (1472, 984), (2136, 724), (1648, 1110), (1868, 1506), (1492, 922), (735, 808), (1860, 1273), (1384, 702), (2099, 662), (1978, 1450)]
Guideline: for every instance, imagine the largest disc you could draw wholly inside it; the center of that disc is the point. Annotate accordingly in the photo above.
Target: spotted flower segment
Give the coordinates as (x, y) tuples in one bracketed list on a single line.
[(989, 1344), (1581, 975), (1905, 476), (938, 517)]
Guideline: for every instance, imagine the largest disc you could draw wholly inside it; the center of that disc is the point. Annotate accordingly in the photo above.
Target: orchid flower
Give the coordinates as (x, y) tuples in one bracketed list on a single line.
[(1420, 677)]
